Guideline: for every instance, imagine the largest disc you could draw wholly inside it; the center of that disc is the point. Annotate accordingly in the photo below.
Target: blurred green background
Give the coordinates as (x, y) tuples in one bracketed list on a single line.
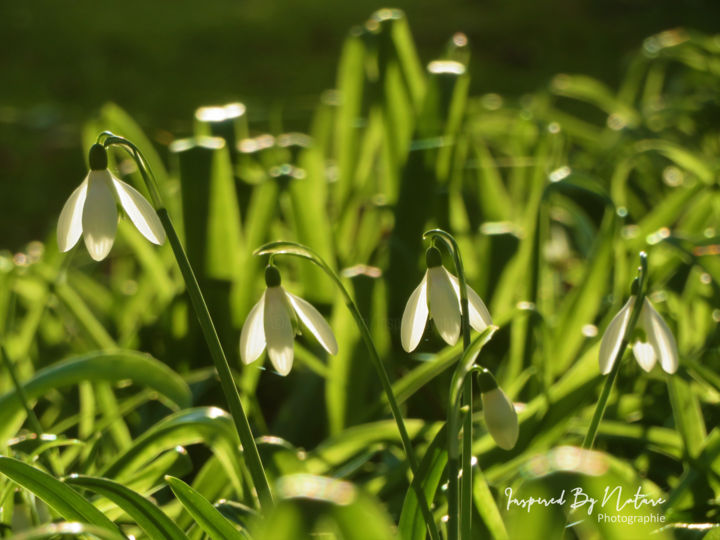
[(160, 60)]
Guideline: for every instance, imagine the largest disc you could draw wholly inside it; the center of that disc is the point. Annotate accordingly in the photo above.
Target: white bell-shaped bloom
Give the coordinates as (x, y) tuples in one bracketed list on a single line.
[(270, 325), (438, 296), (500, 416), (91, 211), (660, 343)]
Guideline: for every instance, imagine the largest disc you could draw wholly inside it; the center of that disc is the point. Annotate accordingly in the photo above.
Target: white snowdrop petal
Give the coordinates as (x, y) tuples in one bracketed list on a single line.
[(414, 317), (500, 418), (314, 322), (660, 337), (444, 304), (252, 337), (69, 228), (645, 355), (480, 317), (140, 211), (612, 338), (99, 217), (279, 332)]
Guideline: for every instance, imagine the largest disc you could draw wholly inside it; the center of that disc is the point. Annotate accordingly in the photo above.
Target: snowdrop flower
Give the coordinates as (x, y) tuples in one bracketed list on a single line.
[(91, 210), (499, 412), (660, 344), (272, 323), (438, 296)]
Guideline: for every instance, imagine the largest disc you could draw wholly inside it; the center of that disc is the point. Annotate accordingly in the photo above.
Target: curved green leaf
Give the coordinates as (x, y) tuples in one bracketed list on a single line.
[(63, 499), (110, 366), (147, 516), (205, 514), (71, 530), (335, 451), (412, 524), (208, 425)]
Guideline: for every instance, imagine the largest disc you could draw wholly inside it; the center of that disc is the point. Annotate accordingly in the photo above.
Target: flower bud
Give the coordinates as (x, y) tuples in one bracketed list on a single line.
[(500, 418)]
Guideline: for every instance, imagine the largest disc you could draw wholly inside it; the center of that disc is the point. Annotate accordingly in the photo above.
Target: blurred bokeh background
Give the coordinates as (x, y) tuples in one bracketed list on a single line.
[(60, 61)]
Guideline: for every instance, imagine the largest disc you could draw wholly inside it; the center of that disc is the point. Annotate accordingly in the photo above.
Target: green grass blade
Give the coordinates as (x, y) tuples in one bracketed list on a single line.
[(63, 499), (205, 514), (487, 507), (688, 415), (97, 366), (147, 515), (211, 214), (208, 425), (412, 525), (70, 530)]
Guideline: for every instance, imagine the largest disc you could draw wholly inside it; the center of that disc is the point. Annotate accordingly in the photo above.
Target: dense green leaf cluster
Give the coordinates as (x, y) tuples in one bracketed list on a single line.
[(550, 198)]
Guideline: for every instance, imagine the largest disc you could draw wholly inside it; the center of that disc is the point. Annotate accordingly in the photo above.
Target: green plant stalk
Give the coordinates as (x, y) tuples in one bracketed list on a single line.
[(252, 456), (298, 250), (589, 440), (465, 510)]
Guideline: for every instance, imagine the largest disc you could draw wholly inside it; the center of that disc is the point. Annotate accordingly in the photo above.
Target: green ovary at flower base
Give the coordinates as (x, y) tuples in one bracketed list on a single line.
[(270, 324), (438, 296), (91, 210), (660, 343)]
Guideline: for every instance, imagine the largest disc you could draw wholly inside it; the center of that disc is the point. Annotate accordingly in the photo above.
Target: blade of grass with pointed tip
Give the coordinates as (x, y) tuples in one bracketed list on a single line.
[(350, 83), (412, 525), (209, 518), (259, 218), (146, 514), (590, 90), (665, 213), (98, 366), (335, 450), (208, 425), (487, 507), (63, 499), (688, 414), (311, 224)]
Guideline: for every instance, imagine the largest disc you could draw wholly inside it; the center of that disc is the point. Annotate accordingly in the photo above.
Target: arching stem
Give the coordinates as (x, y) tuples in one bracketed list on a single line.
[(250, 451), (298, 250)]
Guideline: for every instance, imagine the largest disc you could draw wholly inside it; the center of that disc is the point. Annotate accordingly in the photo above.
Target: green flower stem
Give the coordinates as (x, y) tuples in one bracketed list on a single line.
[(298, 250), (252, 457), (639, 292), (465, 510), (465, 367)]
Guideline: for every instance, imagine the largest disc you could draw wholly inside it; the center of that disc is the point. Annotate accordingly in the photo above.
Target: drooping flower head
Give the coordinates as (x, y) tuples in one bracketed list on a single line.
[(659, 345), (438, 296), (272, 323), (499, 412), (91, 210)]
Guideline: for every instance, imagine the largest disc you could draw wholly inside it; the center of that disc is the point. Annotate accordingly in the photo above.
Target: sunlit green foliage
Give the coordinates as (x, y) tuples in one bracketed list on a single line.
[(550, 197)]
